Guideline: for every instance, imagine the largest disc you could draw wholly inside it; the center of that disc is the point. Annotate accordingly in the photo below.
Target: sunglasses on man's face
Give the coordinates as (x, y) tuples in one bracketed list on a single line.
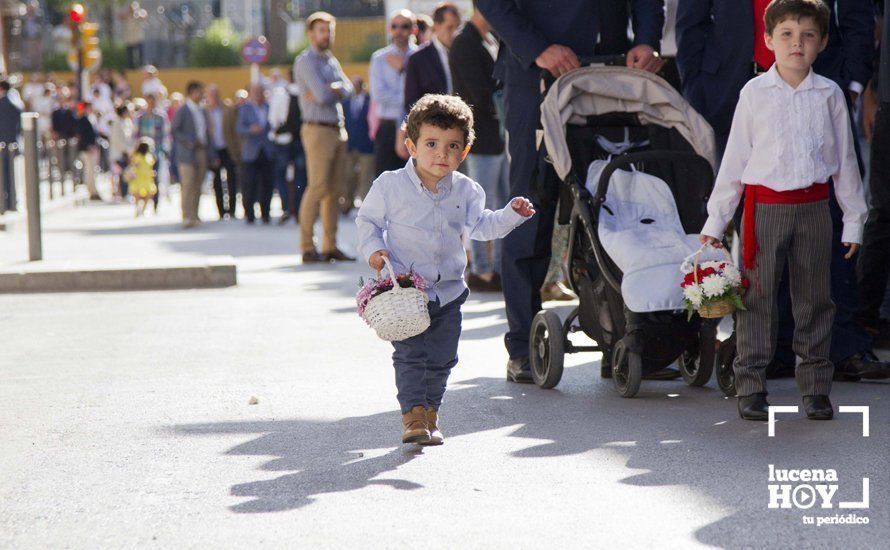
[(400, 27)]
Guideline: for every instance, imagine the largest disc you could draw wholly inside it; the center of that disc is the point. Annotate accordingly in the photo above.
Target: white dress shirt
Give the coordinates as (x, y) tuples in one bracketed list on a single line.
[(422, 230), (443, 56), (788, 138)]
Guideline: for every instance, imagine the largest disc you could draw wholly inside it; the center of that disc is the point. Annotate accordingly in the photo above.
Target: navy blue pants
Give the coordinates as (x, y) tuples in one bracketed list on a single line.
[(423, 362), (525, 253)]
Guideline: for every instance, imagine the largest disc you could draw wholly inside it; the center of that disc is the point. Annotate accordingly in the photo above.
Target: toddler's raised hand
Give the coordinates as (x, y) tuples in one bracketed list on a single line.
[(523, 207), (376, 259), (852, 252)]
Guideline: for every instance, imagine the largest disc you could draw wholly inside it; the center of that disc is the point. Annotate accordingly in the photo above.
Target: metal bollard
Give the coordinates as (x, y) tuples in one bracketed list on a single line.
[(3, 175), (32, 186)]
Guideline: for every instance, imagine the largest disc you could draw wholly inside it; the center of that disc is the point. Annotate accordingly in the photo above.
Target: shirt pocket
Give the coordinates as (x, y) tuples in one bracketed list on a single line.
[(455, 215)]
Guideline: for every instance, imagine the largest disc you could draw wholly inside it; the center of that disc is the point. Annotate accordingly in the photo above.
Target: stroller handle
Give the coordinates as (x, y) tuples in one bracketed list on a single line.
[(613, 60)]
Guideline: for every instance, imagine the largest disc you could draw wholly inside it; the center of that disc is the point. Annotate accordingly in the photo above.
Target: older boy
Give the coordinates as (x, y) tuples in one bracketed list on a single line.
[(789, 135), (415, 217)]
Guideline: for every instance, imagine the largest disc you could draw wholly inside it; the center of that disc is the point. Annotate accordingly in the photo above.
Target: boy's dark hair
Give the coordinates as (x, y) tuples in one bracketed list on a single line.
[(442, 9), (780, 10), (193, 86), (442, 111), (4, 85)]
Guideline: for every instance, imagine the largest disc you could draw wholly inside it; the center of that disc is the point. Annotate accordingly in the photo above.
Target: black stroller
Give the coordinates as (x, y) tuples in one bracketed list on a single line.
[(647, 140)]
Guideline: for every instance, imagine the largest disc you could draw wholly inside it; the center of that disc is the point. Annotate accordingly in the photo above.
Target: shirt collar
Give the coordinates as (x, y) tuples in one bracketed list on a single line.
[(812, 80), (444, 183)]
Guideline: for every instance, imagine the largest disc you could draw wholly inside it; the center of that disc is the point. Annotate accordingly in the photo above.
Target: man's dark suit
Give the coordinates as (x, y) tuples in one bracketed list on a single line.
[(715, 40), (424, 74), (716, 45), (10, 128), (528, 27)]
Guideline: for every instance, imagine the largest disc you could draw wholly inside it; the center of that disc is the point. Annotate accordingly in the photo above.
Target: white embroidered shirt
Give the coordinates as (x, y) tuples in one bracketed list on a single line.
[(789, 138)]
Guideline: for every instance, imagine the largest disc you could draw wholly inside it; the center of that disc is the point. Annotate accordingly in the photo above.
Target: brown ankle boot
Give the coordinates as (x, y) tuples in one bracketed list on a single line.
[(414, 422), (432, 424)]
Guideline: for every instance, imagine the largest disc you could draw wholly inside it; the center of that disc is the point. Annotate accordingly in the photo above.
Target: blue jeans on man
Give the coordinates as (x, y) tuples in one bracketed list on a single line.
[(423, 362), (492, 173)]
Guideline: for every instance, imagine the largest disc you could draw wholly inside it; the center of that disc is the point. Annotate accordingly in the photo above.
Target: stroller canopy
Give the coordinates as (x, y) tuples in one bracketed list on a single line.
[(600, 90)]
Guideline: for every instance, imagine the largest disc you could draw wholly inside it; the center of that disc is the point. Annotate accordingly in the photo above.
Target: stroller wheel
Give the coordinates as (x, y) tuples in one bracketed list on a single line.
[(547, 351), (694, 373), (627, 370), (725, 374)]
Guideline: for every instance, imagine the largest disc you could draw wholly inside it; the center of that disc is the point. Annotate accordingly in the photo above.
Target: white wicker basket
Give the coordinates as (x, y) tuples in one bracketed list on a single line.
[(400, 313)]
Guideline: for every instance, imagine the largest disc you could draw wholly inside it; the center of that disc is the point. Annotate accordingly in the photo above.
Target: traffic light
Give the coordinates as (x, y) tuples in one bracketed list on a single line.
[(90, 52), (77, 14), (83, 40)]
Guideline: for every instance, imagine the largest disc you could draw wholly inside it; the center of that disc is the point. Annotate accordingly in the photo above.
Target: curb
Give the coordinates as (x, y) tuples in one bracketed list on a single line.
[(216, 273)]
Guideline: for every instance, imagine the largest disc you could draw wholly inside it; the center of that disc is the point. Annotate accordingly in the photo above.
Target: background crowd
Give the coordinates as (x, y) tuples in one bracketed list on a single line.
[(317, 138)]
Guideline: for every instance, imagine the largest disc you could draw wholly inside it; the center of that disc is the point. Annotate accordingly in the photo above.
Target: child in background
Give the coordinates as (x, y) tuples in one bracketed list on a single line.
[(142, 175), (790, 134), (415, 217)]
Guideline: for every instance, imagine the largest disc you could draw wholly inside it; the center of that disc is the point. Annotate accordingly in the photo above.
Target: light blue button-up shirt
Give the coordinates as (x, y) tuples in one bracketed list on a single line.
[(422, 230), (388, 84)]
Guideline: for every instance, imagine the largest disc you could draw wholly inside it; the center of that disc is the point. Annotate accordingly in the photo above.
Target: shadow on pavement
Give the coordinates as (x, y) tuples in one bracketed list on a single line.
[(677, 435)]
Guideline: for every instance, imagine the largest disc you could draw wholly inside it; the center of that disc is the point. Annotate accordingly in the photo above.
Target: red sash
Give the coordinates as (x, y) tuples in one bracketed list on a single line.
[(764, 195)]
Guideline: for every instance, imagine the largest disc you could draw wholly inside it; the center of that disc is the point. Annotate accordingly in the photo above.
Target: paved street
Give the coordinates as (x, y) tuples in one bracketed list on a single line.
[(126, 421)]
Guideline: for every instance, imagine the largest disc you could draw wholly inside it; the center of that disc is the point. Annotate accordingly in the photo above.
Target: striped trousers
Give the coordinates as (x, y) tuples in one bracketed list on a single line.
[(799, 234)]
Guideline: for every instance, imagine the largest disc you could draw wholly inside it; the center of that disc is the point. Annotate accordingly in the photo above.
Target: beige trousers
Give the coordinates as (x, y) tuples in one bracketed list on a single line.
[(325, 162), (191, 176), (359, 176), (89, 159)]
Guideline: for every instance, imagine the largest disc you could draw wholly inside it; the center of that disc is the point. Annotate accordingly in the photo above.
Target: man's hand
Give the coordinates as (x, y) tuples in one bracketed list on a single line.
[(645, 58), (256, 129), (523, 207), (310, 97), (376, 259), (711, 241), (558, 60), (852, 252), (336, 89), (396, 61)]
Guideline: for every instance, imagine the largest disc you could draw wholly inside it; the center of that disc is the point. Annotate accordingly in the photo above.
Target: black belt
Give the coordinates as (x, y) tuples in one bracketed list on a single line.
[(325, 124)]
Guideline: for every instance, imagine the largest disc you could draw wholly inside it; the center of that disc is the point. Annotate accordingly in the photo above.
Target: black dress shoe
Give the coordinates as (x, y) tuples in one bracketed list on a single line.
[(754, 407), (313, 257), (284, 218), (338, 256), (863, 365), (519, 370), (818, 407), (249, 221), (266, 220)]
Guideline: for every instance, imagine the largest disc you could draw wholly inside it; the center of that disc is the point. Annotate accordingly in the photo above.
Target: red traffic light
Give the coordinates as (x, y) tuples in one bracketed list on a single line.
[(77, 13)]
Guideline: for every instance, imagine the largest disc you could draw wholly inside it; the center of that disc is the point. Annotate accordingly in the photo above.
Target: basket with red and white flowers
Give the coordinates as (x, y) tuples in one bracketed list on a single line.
[(712, 288)]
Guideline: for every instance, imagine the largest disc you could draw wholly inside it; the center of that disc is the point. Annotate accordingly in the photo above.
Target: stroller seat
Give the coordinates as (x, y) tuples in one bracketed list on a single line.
[(640, 230)]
